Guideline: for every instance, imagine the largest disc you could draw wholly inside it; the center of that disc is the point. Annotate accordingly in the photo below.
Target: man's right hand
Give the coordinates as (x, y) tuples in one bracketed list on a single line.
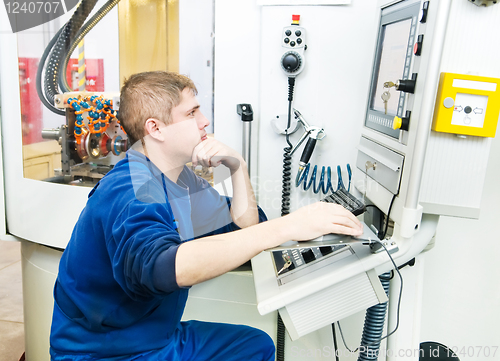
[(321, 218)]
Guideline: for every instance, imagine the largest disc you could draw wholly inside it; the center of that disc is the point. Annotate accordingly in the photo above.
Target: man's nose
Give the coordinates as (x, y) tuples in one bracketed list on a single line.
[(203, 122)]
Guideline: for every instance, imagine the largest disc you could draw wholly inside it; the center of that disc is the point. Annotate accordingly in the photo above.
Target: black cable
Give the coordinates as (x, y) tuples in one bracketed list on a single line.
[(39, 71), (387, 219), (398, 308), (280, 340), (334, 334), (61, 46), (287, 158), (89, 25), (285, 207), (291, 85)]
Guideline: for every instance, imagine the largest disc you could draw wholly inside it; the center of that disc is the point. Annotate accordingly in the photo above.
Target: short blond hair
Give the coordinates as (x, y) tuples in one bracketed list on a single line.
[(150, 95)]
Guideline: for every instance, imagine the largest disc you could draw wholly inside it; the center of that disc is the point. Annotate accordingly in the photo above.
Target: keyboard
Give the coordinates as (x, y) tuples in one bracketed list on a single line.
[(346, 200)]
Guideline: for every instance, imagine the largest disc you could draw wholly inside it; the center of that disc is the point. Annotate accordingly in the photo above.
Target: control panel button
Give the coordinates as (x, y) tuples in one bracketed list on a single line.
[(288, 33), (298, 33), (423, 12), (286, 40), (402, 123), (326, 250), (417, 49), (299, 41), (292, 43), (467, 109), (308, 255), (448, 102)]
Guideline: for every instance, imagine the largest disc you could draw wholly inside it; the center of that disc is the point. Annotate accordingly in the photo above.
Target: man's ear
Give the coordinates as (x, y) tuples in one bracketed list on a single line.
[(152, 128)]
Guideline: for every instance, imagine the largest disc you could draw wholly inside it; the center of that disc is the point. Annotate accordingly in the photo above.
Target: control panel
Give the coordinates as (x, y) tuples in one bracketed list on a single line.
[(401, 43), (291, 264), (294, 41)]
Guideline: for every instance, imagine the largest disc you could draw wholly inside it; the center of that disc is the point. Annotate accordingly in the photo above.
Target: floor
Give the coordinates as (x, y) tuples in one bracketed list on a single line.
[(11, 302)]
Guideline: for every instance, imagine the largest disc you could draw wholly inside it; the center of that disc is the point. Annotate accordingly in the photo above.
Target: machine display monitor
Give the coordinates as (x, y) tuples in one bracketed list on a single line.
[(394, 46), (393, 59)]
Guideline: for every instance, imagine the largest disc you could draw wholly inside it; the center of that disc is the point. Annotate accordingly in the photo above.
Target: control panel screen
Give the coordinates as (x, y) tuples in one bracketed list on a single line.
[(394, 46), (392, 63)]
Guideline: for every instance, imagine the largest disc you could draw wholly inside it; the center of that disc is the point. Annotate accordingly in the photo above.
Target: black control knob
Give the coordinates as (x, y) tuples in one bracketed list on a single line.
[(288, 33), (291, 62), (286, 40), (299, 41), (406, 85), (467, 109), (292, 43), (298, 32)]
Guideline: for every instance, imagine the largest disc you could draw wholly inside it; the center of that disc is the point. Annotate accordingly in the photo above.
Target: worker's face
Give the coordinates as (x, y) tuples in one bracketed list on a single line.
[(187, 127)]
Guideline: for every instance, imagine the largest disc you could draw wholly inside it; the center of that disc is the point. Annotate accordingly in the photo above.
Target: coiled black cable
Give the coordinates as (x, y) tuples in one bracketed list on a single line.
[(285, 207), (61, 47), (287, 177), (287, 158), (89, 25)]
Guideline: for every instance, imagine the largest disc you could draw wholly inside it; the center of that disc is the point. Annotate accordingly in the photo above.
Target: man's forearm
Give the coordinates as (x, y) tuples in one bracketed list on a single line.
[(202, 259), (244, 210), (205, 258)]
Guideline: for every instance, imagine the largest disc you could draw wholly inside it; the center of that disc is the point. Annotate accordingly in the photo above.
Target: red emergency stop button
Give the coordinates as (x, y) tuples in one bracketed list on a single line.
[(417, 48)]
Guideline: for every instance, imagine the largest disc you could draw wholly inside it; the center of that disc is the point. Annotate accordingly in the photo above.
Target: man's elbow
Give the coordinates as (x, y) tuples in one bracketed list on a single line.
[(247, 221)]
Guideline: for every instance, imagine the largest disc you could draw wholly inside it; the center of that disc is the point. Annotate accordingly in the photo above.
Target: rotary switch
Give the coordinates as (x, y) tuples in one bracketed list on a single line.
[(291, 61)]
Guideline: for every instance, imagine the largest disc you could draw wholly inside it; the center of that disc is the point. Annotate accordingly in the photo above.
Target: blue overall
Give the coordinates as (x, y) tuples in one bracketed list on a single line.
[(116, 295)]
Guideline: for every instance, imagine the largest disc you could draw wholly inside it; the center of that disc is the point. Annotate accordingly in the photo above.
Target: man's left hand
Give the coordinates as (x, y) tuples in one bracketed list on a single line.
[(212, 153)]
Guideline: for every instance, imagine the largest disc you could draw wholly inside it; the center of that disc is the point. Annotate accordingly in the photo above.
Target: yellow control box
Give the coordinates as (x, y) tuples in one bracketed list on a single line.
[(467, 105)]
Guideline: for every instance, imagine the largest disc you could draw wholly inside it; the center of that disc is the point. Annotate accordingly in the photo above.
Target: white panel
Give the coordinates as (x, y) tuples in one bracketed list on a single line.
[(40, 265), (454, 170), (473, 84), (303, 2), (330, 305), (467, 50)]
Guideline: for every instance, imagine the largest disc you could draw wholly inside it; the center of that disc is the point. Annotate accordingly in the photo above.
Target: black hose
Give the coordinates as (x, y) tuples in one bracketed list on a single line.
[(374, 326), (62, 45), (280, 340), (89, 25), (39, 71)]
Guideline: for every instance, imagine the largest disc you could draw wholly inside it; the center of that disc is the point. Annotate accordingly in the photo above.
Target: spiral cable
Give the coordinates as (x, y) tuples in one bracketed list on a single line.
[(285, 208), (322, 185), (287, 177), (374, 325)]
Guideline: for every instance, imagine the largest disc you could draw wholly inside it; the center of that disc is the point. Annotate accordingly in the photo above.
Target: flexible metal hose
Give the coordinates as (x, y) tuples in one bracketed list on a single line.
[(41, 64), (374, 325), (89, 25), (61, 46)]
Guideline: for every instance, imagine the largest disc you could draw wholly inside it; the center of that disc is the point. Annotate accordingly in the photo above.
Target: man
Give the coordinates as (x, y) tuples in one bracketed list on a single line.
[(151, 229)]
